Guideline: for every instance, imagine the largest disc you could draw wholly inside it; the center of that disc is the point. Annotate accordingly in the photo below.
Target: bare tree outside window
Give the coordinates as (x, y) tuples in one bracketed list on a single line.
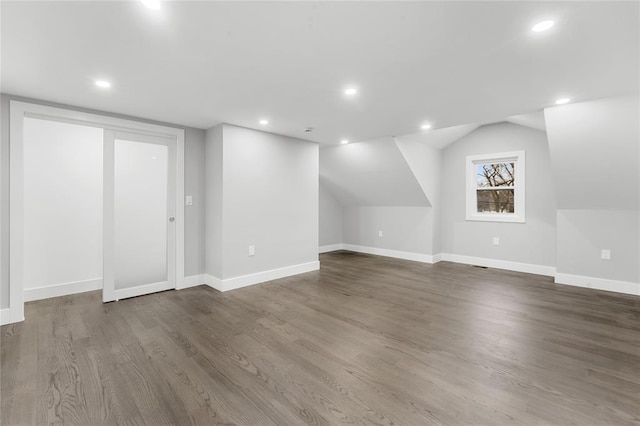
[(495, 187)]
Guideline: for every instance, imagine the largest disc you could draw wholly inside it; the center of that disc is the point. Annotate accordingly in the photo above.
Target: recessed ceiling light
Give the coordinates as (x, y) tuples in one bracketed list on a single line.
[(344, 141), (152, 4), (425, 126), (563, 101), (350, 91), (103, 84), (542, 26), (264, 122)]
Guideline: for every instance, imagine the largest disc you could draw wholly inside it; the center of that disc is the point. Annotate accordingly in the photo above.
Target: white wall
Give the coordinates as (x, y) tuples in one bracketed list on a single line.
[(269, 192), (330, 218), (62, 204), (532, 242)]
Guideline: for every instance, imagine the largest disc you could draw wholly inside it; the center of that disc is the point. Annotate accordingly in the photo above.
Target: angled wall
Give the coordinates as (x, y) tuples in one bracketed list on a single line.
[(425, 163), (378, 193), (594, 146), (594, 149), (372, 173)]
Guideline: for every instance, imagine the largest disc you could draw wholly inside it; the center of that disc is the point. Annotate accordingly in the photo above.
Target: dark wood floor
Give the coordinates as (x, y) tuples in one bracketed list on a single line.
[(364, 340)]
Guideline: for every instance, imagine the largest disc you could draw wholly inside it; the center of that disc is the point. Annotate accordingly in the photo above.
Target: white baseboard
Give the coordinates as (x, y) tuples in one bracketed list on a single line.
[(192, 281), (331, 247), (528, 268), (5, 316), (260, 277), (213, 282), (626, 287), (62, 289), (417, 257)]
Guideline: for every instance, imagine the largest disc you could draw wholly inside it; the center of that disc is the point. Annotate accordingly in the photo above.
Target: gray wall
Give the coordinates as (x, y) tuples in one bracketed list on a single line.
[(370, 173), (330, 218), (403, 228), (425, 162), (194, 185), (269, 200), (213, 201), (594, 149), (582, 234), (532, 242)]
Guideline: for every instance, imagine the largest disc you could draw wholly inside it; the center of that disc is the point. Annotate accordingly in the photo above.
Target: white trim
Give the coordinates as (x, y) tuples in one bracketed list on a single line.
[(142, 290), (417, 257), (9, 317), (518, 157), (61, 289), (17, 111), (260, 277), (192, 281), (213, 282), (331, 247), (626, 287), (5, 316), (528, 268)]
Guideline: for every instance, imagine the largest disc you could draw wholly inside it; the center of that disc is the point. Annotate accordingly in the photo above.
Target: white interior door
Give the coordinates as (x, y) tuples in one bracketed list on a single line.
[(139, 214)]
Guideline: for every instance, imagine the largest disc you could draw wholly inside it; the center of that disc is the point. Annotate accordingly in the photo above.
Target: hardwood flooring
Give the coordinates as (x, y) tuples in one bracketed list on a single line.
[(366, 339)]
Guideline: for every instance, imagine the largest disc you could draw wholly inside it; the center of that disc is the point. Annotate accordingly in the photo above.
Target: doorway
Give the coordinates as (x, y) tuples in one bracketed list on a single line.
[(142, 210)]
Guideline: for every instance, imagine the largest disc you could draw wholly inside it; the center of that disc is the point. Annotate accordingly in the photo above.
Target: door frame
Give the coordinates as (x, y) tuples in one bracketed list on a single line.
[(18, 110)]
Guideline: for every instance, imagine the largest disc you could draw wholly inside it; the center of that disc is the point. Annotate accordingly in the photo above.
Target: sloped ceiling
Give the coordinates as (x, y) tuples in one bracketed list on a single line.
[(594, 153), (372, 173), (440, 138), (534, 120)]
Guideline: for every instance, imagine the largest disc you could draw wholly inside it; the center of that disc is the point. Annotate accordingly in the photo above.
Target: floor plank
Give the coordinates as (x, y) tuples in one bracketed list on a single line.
[(365, 340)]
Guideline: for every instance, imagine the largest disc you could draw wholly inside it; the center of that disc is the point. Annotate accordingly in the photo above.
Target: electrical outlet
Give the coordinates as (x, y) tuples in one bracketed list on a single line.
[(379, 233), (496, 241), (605, 254), (252, 250)]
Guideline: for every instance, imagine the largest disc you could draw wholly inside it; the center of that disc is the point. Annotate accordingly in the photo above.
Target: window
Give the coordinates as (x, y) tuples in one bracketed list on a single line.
[(495, 187)]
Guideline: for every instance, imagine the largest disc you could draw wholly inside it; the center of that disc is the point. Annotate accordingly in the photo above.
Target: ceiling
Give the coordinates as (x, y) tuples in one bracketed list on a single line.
[(201, 63)]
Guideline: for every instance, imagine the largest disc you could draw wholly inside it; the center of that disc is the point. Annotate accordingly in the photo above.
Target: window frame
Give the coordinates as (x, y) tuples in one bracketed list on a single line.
[(516, 157)]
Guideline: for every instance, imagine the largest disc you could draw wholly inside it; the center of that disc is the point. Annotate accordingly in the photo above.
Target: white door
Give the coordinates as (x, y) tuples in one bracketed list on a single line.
[(139, 214)]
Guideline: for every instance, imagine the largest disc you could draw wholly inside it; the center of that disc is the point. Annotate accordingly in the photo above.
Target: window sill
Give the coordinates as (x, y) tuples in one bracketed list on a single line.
[(495, 218)]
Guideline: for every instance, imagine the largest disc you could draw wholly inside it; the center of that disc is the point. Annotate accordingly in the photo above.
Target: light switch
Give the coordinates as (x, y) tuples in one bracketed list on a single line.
[(189, 200), (496, 241), (379, 233), (252, 250)]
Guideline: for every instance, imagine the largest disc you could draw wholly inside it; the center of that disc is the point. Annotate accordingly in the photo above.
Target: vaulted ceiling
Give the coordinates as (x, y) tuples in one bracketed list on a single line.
[(202, 63)]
